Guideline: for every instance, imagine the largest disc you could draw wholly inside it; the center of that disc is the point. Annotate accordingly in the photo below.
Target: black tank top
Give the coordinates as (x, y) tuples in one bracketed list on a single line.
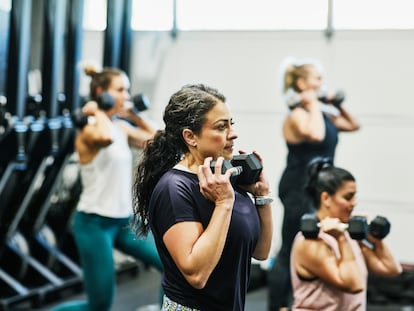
[(300, 154)]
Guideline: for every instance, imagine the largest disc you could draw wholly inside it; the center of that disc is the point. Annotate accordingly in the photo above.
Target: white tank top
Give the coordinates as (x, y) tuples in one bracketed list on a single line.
[(107, 179)]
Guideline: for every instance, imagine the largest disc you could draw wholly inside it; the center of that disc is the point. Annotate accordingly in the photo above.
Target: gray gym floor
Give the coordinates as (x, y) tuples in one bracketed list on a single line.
[(140, 293), (135, 293)]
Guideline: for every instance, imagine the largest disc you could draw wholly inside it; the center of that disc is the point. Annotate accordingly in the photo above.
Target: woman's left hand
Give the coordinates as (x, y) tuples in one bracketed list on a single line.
[(261, 186)]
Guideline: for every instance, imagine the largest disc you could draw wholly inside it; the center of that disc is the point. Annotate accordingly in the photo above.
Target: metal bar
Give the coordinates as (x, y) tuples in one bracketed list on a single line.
[(19, 288), (4, 42), (19, 49), (54, 33), (126, 35), (34, 263), (329, 26), (74, 52), (57, 254), (113, 41)]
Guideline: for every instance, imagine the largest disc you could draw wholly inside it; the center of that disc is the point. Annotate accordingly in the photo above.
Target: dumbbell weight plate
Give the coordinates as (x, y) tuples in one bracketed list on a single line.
[(251, 168), (379, 227), (358, 227), (105, 101), (309, 225)]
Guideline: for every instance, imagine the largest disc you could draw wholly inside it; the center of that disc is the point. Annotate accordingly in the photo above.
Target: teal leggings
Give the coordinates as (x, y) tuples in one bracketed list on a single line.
[(95, 237)]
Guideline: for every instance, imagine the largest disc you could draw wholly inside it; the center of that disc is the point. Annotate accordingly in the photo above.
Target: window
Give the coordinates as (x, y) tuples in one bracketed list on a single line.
[(94, 15), (152, 14), (373, 14), (5, 5), (158, 15), (251, 14)]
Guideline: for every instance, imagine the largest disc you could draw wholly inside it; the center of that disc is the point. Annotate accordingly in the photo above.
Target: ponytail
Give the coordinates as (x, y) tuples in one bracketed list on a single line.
[(323, 176), (160, 155)]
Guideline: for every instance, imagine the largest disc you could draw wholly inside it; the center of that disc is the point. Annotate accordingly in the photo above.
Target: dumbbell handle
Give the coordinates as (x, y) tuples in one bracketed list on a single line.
[(341, 225), (225, 166), (357, 226)]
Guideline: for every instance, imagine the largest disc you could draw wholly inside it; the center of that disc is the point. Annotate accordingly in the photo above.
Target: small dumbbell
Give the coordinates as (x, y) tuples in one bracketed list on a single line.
[(294, 98), (248, 168), (226, 166), (357, 227), (79, 119), (251, 165), (105, 102), (140, 103), (379, 227), (335, 100)]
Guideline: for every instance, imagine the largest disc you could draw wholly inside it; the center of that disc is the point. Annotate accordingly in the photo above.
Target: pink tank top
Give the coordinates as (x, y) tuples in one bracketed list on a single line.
[(317, 295)]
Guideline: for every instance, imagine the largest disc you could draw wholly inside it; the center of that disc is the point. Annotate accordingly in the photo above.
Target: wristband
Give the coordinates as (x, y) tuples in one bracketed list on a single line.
[(91, 120), (262, 200)]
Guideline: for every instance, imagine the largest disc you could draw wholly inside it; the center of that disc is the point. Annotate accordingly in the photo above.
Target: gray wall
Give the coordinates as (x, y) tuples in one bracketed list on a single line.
[(373, 67)]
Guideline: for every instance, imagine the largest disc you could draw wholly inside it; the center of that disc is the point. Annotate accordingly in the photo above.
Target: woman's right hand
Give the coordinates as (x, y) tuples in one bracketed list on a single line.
[(90, 108), (309, 99), (333, 226), (216, 186)]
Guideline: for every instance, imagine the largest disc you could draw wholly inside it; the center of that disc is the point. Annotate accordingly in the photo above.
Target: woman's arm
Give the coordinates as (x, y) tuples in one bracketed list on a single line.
[(379, 258), (314, 258), (99, 132), (194, 250), (305, 123), (345, 121), (262, 189), (137, 135), (264, 242), (94, 135)]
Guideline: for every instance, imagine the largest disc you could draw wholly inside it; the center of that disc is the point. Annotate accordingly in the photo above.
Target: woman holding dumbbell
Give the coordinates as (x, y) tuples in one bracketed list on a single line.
[(330, 271), (206, 229), (102, 218), (310, 130)]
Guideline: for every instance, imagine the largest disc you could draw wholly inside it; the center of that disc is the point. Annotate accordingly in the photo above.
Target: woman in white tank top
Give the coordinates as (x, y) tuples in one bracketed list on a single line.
[(102, 219)]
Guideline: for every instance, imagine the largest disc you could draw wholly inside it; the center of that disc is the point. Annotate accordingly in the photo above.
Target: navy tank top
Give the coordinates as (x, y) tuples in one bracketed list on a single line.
[(299, 155)]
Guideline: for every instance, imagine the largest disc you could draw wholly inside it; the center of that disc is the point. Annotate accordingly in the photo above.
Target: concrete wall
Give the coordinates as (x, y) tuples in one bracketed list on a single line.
[(375, 68)]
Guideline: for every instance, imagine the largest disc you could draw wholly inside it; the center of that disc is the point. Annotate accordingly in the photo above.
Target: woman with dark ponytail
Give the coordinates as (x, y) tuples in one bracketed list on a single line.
[(330, 272), (310, 129), (206, 229)]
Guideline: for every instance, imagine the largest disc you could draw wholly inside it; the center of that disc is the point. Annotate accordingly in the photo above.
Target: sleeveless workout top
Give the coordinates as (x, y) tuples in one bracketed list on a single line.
[(300, 154), (107, 179), (316, 294)]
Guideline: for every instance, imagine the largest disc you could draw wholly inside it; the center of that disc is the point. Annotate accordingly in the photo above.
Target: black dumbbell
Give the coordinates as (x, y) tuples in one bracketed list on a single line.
[(336, 100), (248, 168), (357, 226), (379, 227), (251, 165), (105, 102), (140, 103), (294, 98), (225, 166), (79, 119)]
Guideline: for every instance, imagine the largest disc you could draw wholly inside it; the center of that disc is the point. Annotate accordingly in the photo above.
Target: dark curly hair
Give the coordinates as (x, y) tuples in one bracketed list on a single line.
[(186, 109)]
